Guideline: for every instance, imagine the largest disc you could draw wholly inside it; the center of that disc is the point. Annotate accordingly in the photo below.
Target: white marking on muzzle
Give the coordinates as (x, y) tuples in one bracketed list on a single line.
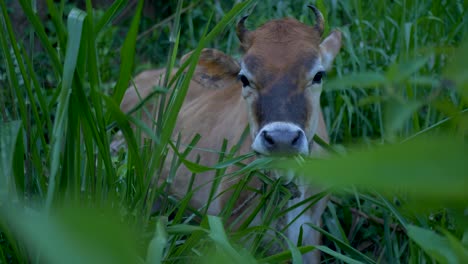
[(281, 138)]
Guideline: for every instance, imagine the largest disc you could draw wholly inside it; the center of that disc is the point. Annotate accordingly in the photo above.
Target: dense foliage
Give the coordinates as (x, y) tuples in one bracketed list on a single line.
[(395, 104)]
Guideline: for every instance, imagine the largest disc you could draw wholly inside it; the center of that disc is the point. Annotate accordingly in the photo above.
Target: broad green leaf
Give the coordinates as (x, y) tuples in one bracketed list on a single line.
[(295, 253), (459, 249), (218, 235), (431, 168), (158, 243), (74, 235), (433, 244)]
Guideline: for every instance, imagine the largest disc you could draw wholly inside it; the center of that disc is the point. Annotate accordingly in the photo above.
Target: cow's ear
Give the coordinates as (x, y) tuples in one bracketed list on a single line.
[(330, 47), (215, 69)]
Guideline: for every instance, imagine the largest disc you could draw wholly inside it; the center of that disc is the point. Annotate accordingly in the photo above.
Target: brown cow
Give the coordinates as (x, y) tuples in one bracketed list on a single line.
[(276, 90)]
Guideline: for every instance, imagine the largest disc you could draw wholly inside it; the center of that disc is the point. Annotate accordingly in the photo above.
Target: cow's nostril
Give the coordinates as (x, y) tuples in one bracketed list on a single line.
[(268, 138), (297, 138)]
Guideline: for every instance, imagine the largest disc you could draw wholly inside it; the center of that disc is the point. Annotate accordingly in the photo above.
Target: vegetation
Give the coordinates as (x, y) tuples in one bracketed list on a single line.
[(395, 104)]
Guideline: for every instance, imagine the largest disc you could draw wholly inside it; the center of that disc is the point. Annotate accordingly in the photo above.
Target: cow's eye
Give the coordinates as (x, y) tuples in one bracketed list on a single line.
[(244, 80), (318, 77)]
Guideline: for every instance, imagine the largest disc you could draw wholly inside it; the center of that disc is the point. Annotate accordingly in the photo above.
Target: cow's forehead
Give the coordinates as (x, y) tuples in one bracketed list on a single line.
[(285, 31), (282, 47), (284, 39)]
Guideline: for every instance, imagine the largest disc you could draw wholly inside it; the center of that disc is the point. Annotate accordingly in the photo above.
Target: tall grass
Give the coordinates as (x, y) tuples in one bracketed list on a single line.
[(395, 104)]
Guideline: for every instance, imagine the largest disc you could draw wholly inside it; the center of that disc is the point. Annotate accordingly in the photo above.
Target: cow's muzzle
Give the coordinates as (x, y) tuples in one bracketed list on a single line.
[(281, 138)]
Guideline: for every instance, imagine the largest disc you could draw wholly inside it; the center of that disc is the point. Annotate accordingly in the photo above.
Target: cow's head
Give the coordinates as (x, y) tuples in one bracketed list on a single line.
[(281, 75)]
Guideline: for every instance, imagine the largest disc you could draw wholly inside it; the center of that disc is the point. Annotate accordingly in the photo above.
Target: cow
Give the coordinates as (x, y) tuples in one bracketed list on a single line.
[(275, 89)]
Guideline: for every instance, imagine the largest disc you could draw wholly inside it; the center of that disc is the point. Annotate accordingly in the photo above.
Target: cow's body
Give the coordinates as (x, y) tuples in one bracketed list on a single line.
[(217, 109)]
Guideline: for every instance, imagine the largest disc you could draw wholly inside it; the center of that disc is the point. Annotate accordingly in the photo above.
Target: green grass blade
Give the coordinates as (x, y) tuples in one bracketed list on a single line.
[(456, 69), (39, 93), (218, 235), (432, 168), (158, 243), (8, 137), (122, 121), (75, 24), (41, 33), (337, 255), (394, 211), (69, 233), (56, 17), (174, 40), (110, 14), (343, 246), (285, 255), (127, 54), (458, 246), (10, 61), (433, 244)]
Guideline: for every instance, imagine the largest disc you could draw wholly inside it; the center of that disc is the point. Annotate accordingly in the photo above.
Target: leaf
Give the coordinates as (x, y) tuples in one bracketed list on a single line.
[(398, 113), (295, 253), (460, 250), (74, 235), (337, 255), (40, 31), (110, 14), (8, 138), (433, 244), (432, 168), (127, 54), (122, 120), (218, 235), (343, 246), (198, 168), (402, 71), (75, 25), (285, 255), (184, 229), (457, 67), (158, 243)]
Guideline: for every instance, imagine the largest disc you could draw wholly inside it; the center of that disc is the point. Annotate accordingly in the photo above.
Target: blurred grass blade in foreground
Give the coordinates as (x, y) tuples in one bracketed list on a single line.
[(73, 235), (433, 168)]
